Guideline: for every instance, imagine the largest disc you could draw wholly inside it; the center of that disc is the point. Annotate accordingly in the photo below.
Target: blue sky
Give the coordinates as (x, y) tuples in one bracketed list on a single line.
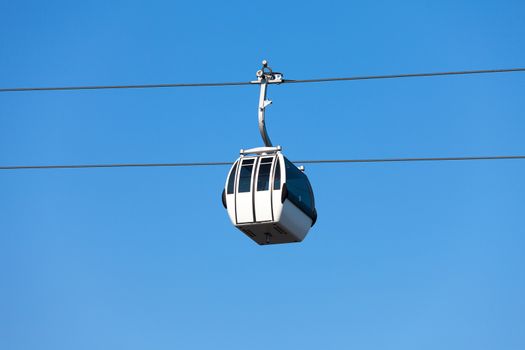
[(404, 256)]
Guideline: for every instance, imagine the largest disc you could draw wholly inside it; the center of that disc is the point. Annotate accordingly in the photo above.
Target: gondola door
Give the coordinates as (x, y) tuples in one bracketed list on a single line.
[(244, 196), (262, 195)]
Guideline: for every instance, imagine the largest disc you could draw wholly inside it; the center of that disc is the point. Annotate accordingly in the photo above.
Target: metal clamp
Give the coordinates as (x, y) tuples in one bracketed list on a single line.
[(267, 74)]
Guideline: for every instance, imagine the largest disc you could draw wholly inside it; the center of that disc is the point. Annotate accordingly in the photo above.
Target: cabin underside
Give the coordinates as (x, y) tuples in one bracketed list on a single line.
[(268, 233)]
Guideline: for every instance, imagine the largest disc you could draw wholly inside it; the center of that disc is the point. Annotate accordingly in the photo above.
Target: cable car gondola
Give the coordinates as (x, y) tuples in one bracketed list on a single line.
[(267, 197)]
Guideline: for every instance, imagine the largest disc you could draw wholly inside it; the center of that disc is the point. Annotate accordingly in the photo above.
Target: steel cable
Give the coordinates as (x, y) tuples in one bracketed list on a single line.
[(318, 161), (286, 81)]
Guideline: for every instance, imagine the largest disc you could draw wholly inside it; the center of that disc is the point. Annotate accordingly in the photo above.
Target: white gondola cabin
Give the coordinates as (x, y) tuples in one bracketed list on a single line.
[(268, 197)]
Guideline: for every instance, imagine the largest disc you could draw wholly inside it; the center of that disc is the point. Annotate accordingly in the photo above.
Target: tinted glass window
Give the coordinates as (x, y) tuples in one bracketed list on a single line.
[(277, 179), (231, 180), (299, 190), (263, 181), (245, 175)]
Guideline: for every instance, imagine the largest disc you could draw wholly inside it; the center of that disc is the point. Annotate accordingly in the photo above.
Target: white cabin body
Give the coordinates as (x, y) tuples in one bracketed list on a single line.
[(269, 199)]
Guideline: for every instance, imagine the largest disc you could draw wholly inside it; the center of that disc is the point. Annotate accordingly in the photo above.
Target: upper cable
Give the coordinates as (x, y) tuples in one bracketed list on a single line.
[(287, 81)]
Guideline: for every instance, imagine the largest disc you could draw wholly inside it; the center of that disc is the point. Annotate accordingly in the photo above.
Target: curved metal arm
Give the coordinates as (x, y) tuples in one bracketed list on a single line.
[(266, 76), (263, 103)]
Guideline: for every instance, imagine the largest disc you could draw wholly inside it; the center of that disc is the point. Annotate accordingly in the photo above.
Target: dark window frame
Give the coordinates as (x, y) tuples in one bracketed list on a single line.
[(264, 174), (245, 182), (231, 180), (277, 175), (296, 184)]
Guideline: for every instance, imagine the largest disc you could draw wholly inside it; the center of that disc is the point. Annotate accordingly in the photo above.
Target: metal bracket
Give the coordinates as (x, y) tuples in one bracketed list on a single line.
[(266, 73), (265, 76), (260, 150)]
